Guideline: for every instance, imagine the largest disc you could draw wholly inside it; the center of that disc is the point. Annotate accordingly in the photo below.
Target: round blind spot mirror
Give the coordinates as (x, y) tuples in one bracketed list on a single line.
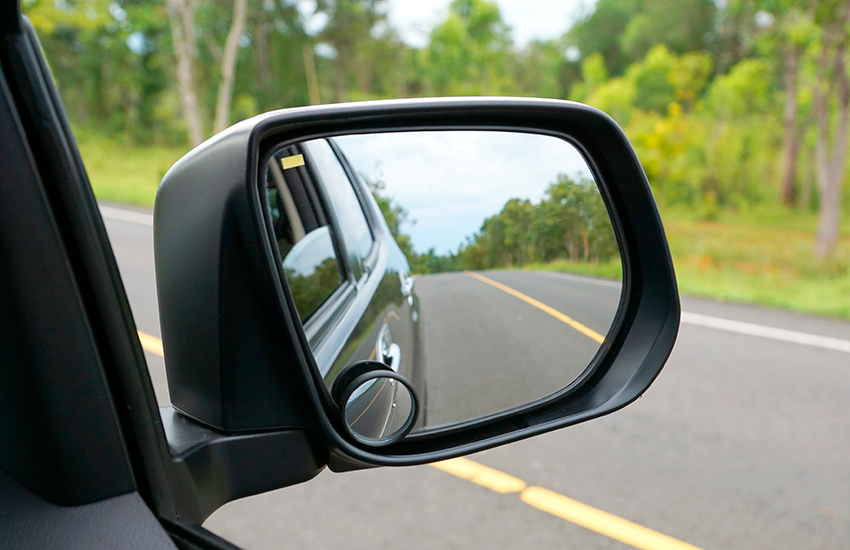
[(379, 408)]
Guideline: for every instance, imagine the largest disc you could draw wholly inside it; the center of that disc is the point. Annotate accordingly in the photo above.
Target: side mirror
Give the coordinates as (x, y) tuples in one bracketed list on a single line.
[(288, 305)]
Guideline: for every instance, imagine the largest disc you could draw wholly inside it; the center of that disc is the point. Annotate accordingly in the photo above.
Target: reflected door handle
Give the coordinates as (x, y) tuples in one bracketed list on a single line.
[(392, 357), (406, 287), (387, 351)]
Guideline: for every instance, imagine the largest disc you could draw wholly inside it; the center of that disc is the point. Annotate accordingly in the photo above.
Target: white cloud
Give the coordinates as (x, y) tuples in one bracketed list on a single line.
[(529, 19), (451, 181)]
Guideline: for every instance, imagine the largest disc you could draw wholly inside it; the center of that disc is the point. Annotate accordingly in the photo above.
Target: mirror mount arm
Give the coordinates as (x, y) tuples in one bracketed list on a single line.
[(208, 469)]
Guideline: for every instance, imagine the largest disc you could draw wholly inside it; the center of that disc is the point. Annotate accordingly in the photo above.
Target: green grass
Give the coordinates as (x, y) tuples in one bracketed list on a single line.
[(760, 256), (125, 174), (760, 259)]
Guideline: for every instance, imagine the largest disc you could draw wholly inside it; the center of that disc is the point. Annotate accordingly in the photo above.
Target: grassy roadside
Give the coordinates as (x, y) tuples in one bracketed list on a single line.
[(125, 174), (760, 257)]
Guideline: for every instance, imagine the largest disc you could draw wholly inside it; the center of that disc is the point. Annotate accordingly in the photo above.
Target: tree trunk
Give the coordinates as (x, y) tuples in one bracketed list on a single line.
[(831, 165), (585, 241), (805, 199), (228, 66), (341, 64), (261, 51), (181, 15), (791, 141), (310, 72), (82, 103)]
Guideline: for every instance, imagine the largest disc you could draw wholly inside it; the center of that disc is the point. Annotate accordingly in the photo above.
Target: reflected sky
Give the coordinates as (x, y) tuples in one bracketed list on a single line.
[(451, 181)]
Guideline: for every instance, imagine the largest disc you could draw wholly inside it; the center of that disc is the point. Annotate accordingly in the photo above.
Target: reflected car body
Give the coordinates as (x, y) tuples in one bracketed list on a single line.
[(372, 311)]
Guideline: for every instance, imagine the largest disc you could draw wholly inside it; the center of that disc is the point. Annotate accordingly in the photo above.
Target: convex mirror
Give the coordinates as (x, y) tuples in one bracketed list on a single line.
[(481, 267)]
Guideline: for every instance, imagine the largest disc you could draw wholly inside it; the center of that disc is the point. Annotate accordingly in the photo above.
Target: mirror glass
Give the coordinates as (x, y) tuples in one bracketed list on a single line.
[(480, 265), (378, 409)]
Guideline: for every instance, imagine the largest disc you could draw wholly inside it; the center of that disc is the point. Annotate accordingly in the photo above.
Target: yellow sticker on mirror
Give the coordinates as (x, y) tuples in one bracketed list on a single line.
[(292, 162)]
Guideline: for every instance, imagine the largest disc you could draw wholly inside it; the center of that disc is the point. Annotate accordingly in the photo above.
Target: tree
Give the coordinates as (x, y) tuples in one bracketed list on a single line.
[(624, 31), (787, 28), (470, 51), (350, 24), (228, 66), (181, 14), (394, 214), (832, 90)]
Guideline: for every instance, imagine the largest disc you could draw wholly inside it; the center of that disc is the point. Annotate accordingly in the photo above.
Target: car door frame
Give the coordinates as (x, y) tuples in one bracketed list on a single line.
[(62, 482)]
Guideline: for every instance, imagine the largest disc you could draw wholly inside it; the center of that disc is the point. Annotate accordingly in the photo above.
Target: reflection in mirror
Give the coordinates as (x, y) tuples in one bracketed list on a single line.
[(378, 409), (497, 274)]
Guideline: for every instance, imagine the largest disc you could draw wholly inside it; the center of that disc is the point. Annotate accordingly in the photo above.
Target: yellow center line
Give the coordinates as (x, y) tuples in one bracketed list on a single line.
[(370, 402), (602, 522), (481, 475), (553, 503), (587, 331), (563, 507)]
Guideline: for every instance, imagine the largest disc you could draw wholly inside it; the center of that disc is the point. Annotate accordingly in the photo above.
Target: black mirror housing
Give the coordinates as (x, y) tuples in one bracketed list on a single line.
[(236, 354)]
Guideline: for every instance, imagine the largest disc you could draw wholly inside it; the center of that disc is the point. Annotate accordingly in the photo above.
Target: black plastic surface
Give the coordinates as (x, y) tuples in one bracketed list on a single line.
[(209, 469), (206, 231), (59, 435), (124, 522)]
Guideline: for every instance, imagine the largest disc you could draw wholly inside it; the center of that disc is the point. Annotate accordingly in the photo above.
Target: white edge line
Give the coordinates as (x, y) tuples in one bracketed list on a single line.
[(751, 329), (126, 215), (580, 279), (689, 318)]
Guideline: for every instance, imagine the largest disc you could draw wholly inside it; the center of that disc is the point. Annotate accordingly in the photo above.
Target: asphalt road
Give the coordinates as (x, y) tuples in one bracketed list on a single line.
[(487, 351), (743, 442)]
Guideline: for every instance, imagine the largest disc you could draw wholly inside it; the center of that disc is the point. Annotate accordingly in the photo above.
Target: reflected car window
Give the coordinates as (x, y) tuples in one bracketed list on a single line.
[(302, 233), (344, 202)]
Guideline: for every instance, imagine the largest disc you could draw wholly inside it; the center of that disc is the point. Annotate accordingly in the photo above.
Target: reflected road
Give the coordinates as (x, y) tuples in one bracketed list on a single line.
[(486, 350)]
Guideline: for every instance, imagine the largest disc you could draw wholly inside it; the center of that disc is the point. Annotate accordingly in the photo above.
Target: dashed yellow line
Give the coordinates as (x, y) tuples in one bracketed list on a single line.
[(602, 522), (563, 507), (481, 475), (545, 500), (587, 331)]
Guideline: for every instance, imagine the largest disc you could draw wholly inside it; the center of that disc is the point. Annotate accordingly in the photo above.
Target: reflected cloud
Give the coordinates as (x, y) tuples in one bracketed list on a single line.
[(451, 181)]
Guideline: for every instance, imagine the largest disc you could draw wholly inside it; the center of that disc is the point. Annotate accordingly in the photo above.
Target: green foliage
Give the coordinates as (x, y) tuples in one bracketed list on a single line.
[(469, 52), (624, 31), (571, 222), (394, 214), (309, 291), (746, 91), (763, 256)]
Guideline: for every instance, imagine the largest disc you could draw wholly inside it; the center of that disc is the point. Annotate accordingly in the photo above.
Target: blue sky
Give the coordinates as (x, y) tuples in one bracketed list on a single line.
[(450, 182)]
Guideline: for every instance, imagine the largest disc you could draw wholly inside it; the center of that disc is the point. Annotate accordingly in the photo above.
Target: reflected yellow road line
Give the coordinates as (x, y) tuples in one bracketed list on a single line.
[(151, 344), (545, 500), (370, 402), (587, 331)]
